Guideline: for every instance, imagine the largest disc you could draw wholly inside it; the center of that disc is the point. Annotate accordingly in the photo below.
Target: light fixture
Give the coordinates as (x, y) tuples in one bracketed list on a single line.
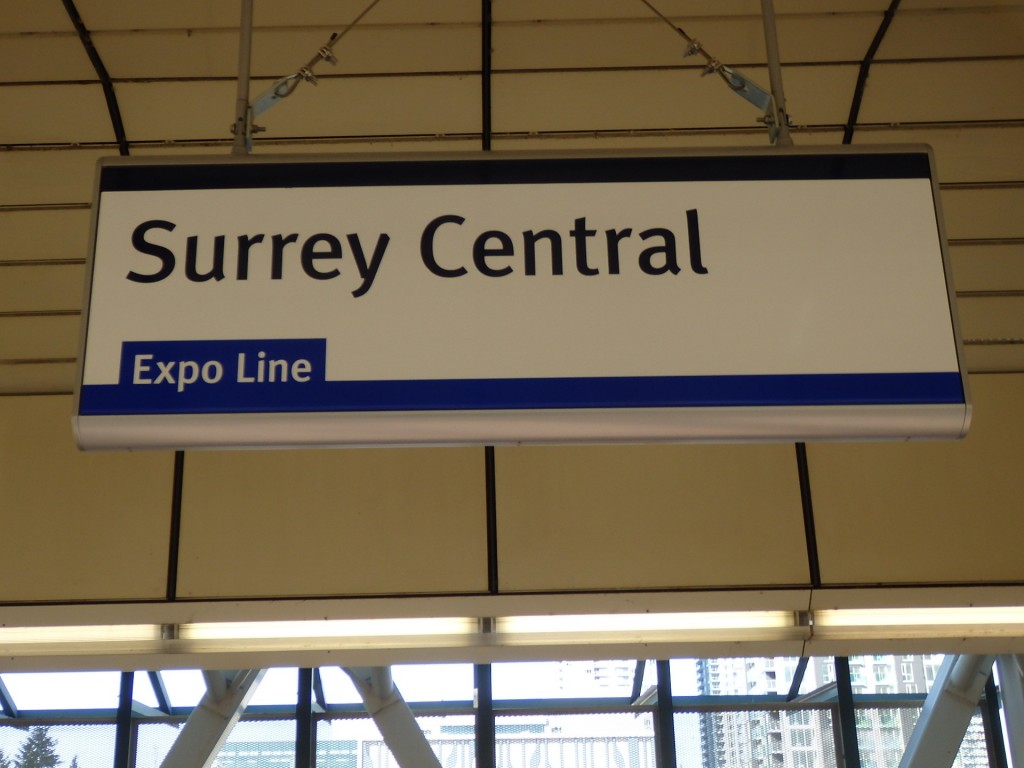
[(336, 629), (641, 627), (967, 621), (12, 637)]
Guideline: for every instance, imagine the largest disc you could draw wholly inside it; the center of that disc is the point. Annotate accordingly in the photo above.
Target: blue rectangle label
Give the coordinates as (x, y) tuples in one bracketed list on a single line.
[(289, 376)]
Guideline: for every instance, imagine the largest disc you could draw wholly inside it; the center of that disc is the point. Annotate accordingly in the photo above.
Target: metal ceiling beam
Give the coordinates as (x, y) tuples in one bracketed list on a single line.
[(486, 27), (124, 743), (305, 725), (947, 711), (394, 719), (210, 723), (865, 67), (847, 746), (101, 72)]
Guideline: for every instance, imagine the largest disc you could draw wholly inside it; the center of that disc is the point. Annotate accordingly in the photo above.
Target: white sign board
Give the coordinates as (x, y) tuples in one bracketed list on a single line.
[(491, 299)]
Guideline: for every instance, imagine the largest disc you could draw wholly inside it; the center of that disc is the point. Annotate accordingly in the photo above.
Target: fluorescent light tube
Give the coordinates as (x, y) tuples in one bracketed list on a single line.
[(645, 622), (106, 633), (921, 617), (339, 628)]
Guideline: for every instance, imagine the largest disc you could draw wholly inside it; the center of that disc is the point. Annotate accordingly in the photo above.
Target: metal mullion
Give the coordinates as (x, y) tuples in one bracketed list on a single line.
[(484, 730), (847, 715), (305, 733), (123, 739), (664, 719), (994, 737)]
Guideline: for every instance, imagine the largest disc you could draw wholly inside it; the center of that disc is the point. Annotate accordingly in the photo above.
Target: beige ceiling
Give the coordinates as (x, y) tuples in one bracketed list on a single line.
[(565, 74)]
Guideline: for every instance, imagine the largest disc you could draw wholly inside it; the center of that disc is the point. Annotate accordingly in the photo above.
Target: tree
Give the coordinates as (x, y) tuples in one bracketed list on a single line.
[(38, 750), (5, 761)]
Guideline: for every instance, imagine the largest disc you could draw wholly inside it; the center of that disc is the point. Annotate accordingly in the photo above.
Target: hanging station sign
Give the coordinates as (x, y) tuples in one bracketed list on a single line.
[(297, 301)]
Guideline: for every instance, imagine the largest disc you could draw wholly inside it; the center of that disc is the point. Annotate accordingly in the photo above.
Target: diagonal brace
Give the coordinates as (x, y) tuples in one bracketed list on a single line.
[(210, 723), (393, 718)]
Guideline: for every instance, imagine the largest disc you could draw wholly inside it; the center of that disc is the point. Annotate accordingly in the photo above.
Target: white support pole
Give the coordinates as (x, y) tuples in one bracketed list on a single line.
[(394, 719), (241, 126), (771, 42), (1011, 688), (210, 723), (947, 712)]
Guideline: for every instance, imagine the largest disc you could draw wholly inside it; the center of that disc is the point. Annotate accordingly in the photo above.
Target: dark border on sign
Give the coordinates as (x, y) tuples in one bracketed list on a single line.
[(483, 171)]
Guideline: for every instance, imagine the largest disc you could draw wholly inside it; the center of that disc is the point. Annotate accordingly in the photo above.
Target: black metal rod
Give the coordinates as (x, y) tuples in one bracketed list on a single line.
[(847, 715), (485, 73), (7, 702), (664, 721), (485, 751), (163, 701), (810, 534), (638, 680), (318, 690), (865, 67), (995, 741), (798, 678), (175, 532), (101, 72), (305, 735), (123, 737), (492, 520)]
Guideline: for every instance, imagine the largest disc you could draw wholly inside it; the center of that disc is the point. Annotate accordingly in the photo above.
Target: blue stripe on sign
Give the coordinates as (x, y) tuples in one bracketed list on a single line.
[(230, 396)]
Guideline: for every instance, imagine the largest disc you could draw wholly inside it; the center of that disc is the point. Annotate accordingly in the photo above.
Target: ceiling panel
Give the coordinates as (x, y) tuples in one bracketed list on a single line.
[(32, 16), (995, 358), (973, 31), (34, 337), (276, 53), (43, 57), (379, 106), (983, 212), (60, 233), (932, 91), (54, 114), (988, 267), (678, 10), (211, 14), (49, 176), (620, 100), (1000, 317), (37, 378), (37, 288), (963, 153)]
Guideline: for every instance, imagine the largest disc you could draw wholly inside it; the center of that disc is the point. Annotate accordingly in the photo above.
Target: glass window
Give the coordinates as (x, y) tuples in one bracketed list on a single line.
[(64, 690), (800, 737), (185, 687), (435, 682), (798, 717), (562, 679), (278, 686)]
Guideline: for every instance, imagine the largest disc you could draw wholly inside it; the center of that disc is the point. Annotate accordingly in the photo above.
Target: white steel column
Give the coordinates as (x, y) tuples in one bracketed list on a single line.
[(947, 711), (1011, 687), (210, 723), (394, 719)]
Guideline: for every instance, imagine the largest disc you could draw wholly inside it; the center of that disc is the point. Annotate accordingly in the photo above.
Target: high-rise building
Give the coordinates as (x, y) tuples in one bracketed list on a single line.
[(802, 738)]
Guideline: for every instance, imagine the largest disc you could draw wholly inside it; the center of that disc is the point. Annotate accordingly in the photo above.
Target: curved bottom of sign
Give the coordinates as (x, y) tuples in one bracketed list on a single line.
[(626, 425)]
